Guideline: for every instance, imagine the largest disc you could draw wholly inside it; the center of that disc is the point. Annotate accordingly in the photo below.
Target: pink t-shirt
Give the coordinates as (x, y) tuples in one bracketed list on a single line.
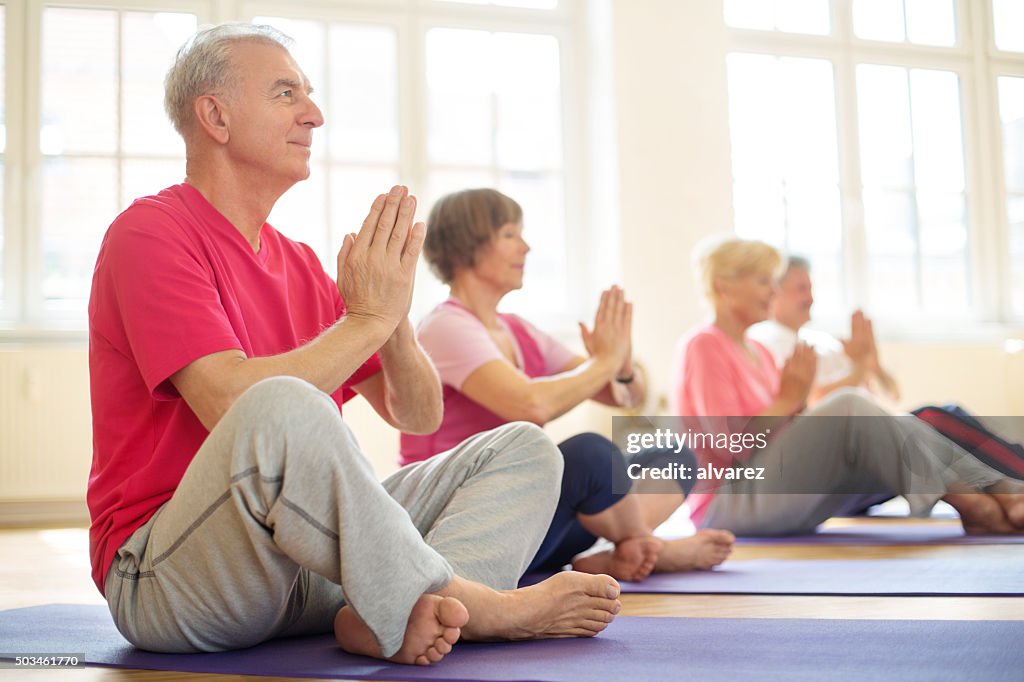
[(175, 281), (459, 344), (713, 377)]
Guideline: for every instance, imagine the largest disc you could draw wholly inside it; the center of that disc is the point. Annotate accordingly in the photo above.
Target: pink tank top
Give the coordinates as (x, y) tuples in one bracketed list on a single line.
[(464, 417)]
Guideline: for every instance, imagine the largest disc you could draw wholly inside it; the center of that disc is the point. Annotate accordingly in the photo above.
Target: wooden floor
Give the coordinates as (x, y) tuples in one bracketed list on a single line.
[(64, 578)]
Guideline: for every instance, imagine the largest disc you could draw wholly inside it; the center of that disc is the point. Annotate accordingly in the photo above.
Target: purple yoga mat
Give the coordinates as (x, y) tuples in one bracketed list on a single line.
[(632, 648), (888, 533), (976, 576)]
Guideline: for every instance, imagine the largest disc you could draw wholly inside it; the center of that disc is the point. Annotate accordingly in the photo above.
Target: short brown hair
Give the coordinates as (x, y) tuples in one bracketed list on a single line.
[(460, 223)]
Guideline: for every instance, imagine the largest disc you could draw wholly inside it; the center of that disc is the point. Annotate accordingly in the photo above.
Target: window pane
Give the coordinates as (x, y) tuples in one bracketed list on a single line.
[(363, 93), (793, 16), (1015, 208), (759, 211), (3, 107), (1011, 111), (886, 141), (73, 226), (931, 22), (150, 40), (79, 81), (546, 285), (143, 177), (460, 115), (447, 180), (301, 213), (785, 155), (945, 286), (879, 20), (938, 150), (889, 221), (352, 191), (494, 98), (1008, 16), (802, 16), (528, 92)]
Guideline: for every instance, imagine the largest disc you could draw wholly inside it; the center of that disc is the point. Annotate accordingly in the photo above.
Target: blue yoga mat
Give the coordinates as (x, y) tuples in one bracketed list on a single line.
[(976, 576), (888, 533), (631, 648)]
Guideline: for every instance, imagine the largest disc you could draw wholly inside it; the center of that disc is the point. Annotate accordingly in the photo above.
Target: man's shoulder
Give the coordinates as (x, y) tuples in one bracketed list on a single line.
[(153, 213)]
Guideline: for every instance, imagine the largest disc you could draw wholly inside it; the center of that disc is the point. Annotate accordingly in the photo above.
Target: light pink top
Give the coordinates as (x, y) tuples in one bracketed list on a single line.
[(713, 377), (458, 343)]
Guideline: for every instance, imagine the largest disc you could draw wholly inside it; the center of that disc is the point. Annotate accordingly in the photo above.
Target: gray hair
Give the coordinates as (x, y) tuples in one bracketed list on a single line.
[(795, 263), (203, 66)]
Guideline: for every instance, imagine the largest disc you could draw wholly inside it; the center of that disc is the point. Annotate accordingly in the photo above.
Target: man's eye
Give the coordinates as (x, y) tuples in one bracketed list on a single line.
[(286, 93)]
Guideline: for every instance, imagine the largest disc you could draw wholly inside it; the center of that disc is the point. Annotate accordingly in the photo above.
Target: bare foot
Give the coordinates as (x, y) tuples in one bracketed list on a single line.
[(435, 624), (632, 559), (981, 514), (1010, 496), (568, 604), (699, 552)]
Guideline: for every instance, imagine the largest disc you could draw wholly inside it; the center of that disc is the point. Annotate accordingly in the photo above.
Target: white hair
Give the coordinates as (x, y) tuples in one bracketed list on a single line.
[(203, 66)]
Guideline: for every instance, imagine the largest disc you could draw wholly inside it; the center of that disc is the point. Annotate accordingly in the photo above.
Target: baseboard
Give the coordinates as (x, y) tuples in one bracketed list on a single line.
[(43, 513)]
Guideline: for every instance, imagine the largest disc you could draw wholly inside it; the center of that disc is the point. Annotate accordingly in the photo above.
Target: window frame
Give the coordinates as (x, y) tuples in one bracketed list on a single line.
[(22, 312), (977, 64)]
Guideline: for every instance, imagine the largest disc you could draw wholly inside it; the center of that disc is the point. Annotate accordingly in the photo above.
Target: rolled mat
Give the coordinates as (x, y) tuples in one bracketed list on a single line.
[(631, 648)]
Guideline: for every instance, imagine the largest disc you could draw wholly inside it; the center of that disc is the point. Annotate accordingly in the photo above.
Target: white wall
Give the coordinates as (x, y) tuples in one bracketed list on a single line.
[(674, 168)]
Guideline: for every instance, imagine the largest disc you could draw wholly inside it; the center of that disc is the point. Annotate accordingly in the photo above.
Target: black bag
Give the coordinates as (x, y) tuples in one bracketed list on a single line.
[(956, 424)]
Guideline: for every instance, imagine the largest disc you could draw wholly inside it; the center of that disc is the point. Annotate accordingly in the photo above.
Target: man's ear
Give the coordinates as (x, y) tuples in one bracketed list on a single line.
[(212, 118)]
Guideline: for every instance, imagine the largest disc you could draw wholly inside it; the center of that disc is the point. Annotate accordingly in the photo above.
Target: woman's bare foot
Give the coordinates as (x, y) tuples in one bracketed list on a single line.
[(1010, 496), (568, 604), (700, 552), (632, 559), (435, 624), (981, 514)]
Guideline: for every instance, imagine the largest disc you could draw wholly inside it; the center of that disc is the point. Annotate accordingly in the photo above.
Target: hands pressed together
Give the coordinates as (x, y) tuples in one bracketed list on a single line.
[(377, 266), (610, 340), (798, 377)]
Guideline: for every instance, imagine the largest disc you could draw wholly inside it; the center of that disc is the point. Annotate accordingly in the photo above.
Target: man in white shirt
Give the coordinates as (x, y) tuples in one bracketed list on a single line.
[(848, 363)]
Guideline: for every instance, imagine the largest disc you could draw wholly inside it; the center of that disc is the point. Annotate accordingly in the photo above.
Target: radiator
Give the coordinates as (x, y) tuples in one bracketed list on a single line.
[(45, 432)]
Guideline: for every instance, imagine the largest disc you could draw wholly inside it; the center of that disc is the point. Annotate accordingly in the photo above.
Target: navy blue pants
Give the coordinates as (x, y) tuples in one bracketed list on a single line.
[(594, 469)]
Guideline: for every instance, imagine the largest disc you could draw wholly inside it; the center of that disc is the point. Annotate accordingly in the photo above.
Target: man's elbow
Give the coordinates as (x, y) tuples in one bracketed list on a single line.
[(423, 423)]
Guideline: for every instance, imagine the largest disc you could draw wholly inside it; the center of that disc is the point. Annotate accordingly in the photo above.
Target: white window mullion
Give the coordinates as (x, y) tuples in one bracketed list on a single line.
[(16, 45), (984, 176), (31, 300)]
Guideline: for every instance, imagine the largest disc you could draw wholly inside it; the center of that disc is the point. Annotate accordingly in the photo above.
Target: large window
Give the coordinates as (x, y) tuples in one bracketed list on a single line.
[(437, 94), (861, 138)]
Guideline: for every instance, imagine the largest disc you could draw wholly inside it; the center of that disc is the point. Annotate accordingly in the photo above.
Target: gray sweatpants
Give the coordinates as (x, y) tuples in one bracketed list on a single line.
[(847, 443), (279, 520)]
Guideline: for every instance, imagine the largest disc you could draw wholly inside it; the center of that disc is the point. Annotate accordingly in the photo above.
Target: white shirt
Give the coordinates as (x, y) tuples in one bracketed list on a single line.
[(780, 340)]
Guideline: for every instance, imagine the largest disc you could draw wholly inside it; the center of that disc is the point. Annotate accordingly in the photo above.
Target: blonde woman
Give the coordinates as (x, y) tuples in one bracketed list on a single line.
[(843, 452)]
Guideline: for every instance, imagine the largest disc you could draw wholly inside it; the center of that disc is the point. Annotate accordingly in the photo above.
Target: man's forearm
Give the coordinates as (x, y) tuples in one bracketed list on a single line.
[(212, 384), (412, 389)]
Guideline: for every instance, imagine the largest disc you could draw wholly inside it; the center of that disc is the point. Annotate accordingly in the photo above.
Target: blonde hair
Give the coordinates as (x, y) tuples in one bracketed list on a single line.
[(731, 257)]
